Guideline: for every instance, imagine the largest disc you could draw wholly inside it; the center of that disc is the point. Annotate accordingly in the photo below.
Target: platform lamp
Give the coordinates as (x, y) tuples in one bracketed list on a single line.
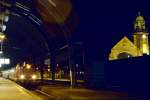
[(2, 38), (4, 18)]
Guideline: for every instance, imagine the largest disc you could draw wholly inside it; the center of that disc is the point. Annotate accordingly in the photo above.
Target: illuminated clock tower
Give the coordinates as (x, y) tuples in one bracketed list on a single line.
[(140, 36)]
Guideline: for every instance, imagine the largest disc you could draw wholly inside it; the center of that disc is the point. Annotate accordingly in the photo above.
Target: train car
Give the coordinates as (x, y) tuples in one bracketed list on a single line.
[(22, 72), (9, 73)]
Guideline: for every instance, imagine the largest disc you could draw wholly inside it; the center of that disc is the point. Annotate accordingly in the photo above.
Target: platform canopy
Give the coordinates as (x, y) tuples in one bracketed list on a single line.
[(34, 24)]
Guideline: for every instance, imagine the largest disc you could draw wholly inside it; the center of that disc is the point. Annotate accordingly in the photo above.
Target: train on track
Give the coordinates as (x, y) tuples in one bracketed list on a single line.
[(21, 72)]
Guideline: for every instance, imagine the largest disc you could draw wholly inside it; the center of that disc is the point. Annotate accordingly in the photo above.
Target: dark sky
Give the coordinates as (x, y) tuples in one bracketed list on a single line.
[(24, 41), (104, 22)]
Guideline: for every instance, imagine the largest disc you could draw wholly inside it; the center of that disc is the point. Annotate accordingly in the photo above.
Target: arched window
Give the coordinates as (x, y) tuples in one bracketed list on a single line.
[(124, 55)]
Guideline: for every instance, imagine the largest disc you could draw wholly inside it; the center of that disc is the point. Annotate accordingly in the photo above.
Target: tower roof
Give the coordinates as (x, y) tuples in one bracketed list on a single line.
[(139, 17), (139, 23)]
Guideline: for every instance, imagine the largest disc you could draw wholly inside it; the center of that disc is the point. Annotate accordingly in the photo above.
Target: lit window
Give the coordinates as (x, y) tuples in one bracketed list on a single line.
[(144, 48)]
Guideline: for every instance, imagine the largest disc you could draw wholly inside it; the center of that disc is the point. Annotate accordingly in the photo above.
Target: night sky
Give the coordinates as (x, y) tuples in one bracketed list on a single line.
[(104, 22), (23, 41)]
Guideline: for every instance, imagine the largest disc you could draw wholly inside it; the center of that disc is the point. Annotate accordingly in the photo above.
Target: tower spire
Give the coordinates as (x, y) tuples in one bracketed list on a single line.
[(139, 23), (140, 36), (139, 13)]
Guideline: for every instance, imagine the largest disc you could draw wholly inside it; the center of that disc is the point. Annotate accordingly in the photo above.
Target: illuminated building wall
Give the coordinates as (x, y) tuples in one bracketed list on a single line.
[(140, 45)]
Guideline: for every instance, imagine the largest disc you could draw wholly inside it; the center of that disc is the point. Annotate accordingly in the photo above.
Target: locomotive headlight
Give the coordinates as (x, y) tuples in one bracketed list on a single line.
[(22, 77), (33, 76)]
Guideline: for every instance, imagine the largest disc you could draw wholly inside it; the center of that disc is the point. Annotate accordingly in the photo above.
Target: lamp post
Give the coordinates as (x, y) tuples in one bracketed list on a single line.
[(4, 18), (2, 38)]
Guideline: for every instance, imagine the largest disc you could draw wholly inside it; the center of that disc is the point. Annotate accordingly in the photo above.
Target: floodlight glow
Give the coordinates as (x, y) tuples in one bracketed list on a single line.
[(22, 77), (4, 27), (33, 77), (1, 52), (4, 61), (0, 65), (28, 66), (1, 61), (12, 70), (6, 18), (2, 36), (144, 36)]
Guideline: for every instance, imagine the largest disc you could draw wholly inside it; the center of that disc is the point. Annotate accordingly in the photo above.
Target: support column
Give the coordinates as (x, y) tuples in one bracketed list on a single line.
[(71, 65), (53, 64)]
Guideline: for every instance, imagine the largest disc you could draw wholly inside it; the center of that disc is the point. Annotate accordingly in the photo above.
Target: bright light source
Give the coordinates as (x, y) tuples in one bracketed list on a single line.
[(6, 18), (28, 66), (12, 70), (3, 27), (0, 65), (24, 63), (6, 61), (1, 61), (2, 36), (143, 36), (33, 76), (22, 77), (1, 52), (57, 65)]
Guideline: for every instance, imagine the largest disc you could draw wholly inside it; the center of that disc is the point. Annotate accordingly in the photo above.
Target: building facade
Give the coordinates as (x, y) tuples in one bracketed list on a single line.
[(139, 46)]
